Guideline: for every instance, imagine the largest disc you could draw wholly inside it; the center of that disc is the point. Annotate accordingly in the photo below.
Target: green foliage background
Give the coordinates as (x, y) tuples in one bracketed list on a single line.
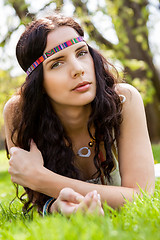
[(8, 86)]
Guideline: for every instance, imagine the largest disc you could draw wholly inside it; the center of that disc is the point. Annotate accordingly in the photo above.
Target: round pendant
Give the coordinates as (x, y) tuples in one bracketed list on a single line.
[(79, 153)]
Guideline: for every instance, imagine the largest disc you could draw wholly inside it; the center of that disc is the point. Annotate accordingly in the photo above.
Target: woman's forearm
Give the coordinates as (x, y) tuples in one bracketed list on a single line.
[(40, 179), (51, 184)]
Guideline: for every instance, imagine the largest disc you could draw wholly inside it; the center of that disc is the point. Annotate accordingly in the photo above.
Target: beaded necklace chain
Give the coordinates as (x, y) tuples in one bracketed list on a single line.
[(88, 153)]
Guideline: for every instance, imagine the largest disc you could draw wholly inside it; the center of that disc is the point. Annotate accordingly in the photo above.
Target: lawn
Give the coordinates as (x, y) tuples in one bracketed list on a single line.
[(139, 219)]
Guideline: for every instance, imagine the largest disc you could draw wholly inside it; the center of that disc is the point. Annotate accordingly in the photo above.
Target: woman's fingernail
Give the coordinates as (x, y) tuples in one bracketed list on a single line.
[(90, 194), (99, 197), (102, 211), (95, 191), (79, 198)]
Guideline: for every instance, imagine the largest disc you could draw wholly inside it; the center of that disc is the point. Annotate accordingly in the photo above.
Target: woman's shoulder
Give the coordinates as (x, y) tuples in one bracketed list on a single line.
[(130, 93), (11, 106), (133, 112), (11, 116)]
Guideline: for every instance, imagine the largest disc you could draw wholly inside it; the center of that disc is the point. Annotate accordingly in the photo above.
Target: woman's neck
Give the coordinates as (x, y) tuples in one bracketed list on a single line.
[(74, 119)]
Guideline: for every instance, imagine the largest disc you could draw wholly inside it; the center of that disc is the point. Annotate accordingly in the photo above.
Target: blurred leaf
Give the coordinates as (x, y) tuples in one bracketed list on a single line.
[(8, 87)]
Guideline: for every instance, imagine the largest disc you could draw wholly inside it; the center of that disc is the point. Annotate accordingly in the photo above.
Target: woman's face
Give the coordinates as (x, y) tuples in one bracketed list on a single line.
[(69, 75)]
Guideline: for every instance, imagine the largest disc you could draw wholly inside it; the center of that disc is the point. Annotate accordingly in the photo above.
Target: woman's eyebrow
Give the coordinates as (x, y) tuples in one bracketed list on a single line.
[(57, 58), (80, 47), (52, 59)]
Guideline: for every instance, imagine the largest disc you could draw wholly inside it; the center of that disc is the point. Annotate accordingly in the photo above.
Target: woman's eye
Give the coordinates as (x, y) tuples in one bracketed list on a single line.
[(55, 65), (82, 53)]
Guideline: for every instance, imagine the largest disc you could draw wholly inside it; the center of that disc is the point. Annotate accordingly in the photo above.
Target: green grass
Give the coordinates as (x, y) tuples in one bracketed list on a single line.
[(139, 219), (156, 152)]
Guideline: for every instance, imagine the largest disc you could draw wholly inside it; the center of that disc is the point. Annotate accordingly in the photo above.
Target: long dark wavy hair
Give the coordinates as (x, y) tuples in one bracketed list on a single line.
[(37, 120)]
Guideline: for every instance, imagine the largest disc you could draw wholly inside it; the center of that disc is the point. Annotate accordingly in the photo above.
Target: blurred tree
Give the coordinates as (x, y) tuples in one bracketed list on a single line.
[(129, 19), (8, 86)]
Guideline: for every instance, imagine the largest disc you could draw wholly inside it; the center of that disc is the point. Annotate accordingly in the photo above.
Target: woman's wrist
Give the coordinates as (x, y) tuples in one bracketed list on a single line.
[(47, 206), (35, 181), (53, 207)]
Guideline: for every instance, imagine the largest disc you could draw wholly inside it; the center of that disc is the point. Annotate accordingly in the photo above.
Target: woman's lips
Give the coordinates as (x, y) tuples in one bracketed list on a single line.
[(82, 87)]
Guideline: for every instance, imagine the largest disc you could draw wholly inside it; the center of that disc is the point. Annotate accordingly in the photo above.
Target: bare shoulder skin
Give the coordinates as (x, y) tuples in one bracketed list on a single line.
[(9, 111)]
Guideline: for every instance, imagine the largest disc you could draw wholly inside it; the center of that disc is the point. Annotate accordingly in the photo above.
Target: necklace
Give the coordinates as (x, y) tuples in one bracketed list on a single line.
[(86, 149)]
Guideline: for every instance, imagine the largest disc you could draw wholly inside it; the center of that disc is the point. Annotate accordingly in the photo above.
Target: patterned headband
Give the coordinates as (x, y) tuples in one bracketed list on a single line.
[(53, 51)]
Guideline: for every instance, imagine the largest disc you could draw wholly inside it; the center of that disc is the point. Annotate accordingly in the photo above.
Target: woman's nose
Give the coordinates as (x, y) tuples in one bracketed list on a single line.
[(78, 73), (76, 69)]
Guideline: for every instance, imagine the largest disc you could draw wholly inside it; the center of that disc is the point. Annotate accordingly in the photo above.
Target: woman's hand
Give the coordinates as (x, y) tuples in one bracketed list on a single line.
[(70, 202), (23, 164)]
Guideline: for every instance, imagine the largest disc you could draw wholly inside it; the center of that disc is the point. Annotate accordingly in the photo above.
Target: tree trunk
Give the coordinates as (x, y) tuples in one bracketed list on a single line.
[(153, 120), (141, 52)]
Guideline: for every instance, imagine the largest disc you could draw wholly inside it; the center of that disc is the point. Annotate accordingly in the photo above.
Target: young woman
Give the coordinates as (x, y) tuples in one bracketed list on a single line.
[(73, 125)]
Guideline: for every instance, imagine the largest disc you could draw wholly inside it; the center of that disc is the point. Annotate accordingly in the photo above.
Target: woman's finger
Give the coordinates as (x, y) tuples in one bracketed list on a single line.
[(66, 208), (85, 204), (13, 150), (91, 203), (96, 205), (68, 194)]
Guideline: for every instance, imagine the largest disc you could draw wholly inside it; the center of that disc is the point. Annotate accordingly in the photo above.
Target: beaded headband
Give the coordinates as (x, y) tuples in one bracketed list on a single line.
[(53, 51)]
